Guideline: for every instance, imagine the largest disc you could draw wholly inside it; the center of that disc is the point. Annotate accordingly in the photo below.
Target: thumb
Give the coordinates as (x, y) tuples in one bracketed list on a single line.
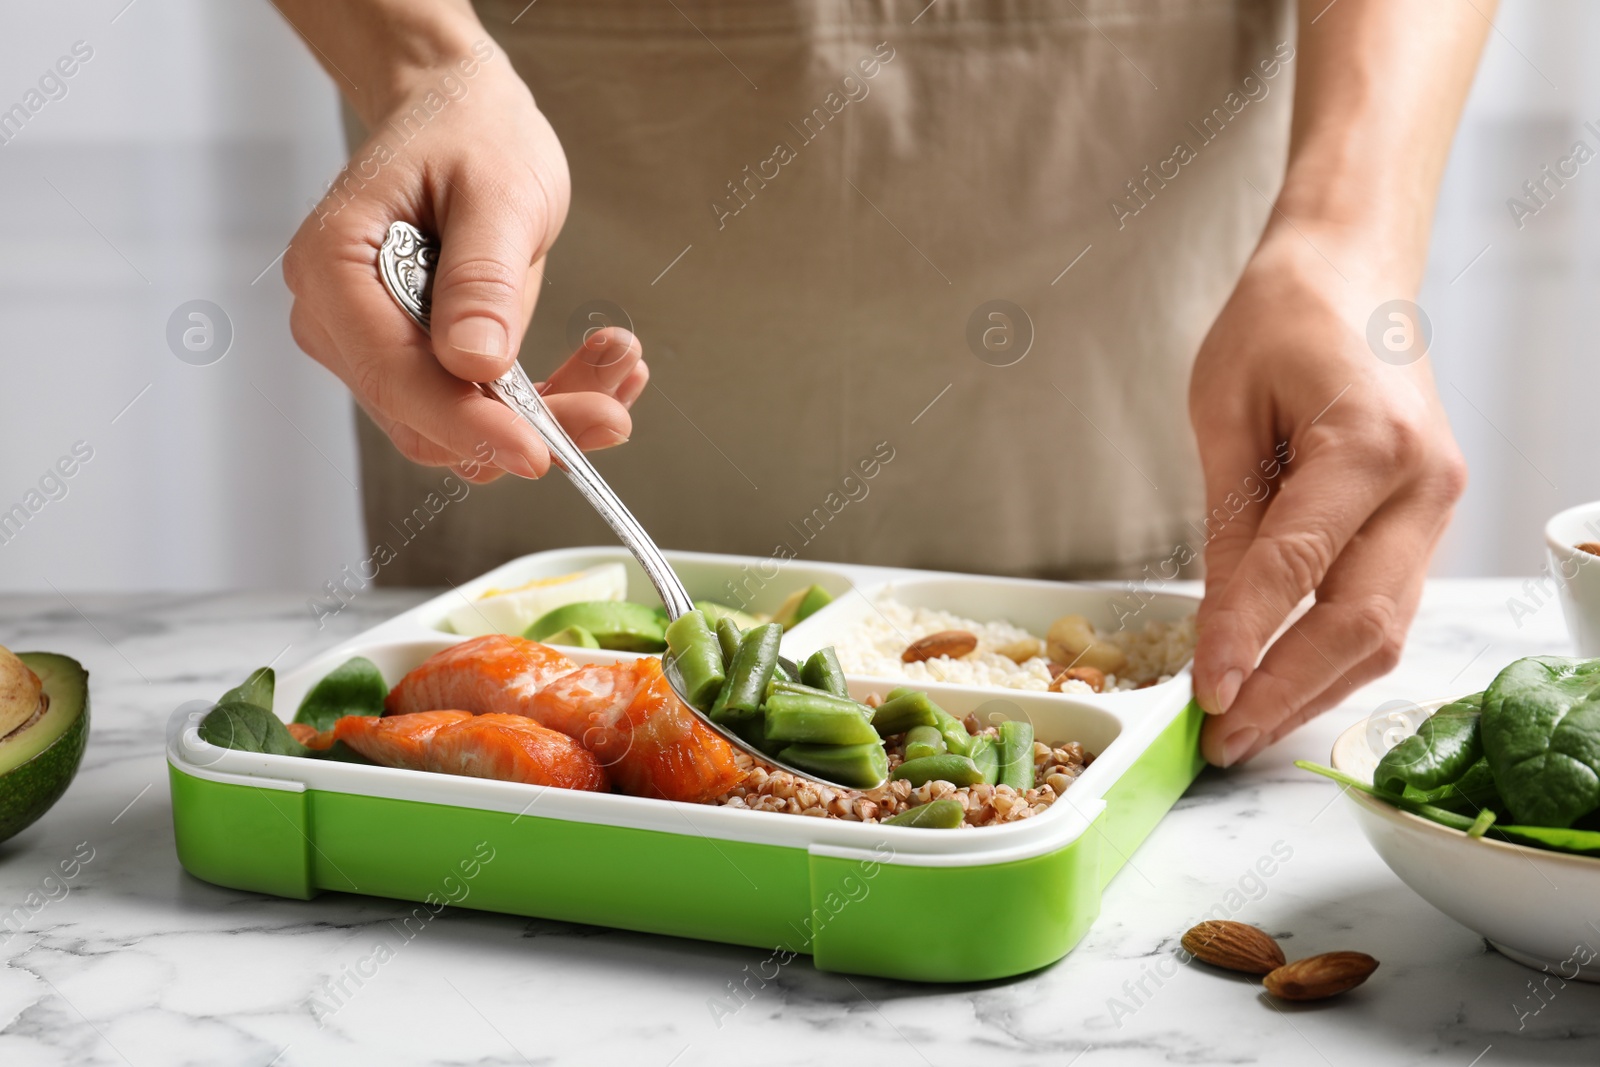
[(480, 308)]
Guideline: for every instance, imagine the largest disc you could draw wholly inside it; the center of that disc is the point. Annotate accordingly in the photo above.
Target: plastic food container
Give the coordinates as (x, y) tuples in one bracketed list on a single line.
[(836, 890)]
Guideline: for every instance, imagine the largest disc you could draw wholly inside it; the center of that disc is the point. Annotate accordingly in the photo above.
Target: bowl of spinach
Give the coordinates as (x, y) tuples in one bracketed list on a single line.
[(1489, 807)]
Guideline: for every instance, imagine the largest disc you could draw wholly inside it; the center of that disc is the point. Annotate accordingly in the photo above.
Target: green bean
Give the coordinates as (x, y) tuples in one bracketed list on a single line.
[(1016, 754), (692, 648), (753, 731), (956, 738), (822, 671), (728, 637), (945, 814), (752, 668), (817, 719), (957, 770), (901, 713), (783, 685), (899, 691), (924, 741), (857, 766), (985, 755)]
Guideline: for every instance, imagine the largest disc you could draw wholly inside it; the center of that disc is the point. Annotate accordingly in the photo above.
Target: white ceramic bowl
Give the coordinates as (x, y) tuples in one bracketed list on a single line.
[(1577, 574), (1533, 905)]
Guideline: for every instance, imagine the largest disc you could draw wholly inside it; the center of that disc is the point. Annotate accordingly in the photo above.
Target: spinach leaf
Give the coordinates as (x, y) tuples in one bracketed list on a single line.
[(1443, 749), (1541, 735), (249, 728), (256, 689), (1417, 807), (1470, 793), (354, 688), (1584, 842)]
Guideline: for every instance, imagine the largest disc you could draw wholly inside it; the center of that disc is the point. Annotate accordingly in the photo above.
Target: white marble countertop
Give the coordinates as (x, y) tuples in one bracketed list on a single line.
[(138, 963)]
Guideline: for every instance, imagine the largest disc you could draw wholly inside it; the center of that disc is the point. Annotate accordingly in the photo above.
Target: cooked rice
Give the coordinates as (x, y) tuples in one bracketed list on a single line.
[(1155, 652)]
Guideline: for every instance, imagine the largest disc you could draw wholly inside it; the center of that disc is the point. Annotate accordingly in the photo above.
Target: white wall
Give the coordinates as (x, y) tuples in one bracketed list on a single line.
[(181, 159), (188, 148)]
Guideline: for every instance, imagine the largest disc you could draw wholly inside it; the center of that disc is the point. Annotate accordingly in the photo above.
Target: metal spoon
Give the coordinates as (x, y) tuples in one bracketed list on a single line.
[(406, 263)]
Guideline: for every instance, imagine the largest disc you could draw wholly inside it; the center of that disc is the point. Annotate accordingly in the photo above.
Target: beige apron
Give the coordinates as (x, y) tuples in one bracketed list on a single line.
[(806, 207)]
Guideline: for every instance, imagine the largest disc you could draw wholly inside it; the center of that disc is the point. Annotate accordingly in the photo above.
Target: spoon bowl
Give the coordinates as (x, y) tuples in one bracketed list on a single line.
[(406, 262)]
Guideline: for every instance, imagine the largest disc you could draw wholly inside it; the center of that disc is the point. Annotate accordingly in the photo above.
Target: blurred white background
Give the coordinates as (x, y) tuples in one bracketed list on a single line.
[(188, 148)]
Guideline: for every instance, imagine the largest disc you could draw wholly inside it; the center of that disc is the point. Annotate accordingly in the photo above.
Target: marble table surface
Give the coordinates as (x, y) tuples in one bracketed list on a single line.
[(132, 961)]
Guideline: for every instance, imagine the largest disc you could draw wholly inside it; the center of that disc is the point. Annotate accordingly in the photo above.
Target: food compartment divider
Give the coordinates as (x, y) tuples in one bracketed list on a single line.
[(836, 890)]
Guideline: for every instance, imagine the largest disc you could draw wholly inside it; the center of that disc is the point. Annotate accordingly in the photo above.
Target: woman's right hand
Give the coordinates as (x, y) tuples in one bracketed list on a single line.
[(462, 152)]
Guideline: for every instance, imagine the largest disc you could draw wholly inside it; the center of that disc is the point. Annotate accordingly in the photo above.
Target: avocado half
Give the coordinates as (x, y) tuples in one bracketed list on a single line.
[(39, 758)]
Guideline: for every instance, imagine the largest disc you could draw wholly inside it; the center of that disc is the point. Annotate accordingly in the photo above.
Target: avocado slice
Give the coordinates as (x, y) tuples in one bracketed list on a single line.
[(801, 604), (573, 637), (714, 611), (39, 758), (620, 625)]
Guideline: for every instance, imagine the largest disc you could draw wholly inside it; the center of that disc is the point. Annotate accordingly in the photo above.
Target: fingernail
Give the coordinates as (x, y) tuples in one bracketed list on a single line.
[(479, 336), (518, 464), (1238, 743), (593, 440), (1228, 689)]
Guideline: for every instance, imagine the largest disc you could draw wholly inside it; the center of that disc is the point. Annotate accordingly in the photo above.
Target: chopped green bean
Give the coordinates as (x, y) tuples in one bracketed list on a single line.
[(693, 649), (956, 738), (857, 766), (924, 741), (1016, 754), (817, 718), (943, 814), (822, 671), (753, 666), (987, 757), (901, 713), (957, 770), (728, 635)]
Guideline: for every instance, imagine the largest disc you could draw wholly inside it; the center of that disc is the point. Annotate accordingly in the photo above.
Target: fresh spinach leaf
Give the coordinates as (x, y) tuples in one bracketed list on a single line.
[(1444, 748), (256, 689), (1541, 735), (1583, 842), (354, 688), (249, 728)]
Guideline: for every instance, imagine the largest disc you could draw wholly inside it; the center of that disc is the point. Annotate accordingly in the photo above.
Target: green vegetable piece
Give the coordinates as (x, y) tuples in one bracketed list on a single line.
[(751, 672), (817, 719), (945, 814), (693, 651), (753, 731), (956, 738), (1427, 811), (822, 671), (986, 755), (957, 770), (815, 599), (1481, 824), (1016, 754), (620, 625), (1581, 842), (256, 689), (573, 637), (355, 687), (926, 741), (728, 634), (1444, 747), (857, 766), (901, 713), (715, 612), (1541, 736), (249, 728)]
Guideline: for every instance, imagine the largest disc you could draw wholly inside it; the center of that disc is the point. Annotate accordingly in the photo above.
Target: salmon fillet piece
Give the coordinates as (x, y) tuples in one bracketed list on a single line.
[(514, 748), (310, 736), (649, 741), (394, 740), (493, 673)]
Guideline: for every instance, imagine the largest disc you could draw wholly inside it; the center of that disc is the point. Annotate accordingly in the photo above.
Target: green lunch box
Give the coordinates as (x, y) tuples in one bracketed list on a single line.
[(835, 890)]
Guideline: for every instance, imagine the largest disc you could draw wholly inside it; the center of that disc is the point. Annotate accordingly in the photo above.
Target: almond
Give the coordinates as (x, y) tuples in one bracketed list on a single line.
[(952, 643), (1235, 946), (1093, 677), (1590, 547), (1021, 650), (1316, 977)]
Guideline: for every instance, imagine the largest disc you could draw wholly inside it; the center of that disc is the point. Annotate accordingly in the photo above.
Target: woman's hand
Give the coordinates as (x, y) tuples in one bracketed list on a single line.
[(458, 148), (1363, 473)]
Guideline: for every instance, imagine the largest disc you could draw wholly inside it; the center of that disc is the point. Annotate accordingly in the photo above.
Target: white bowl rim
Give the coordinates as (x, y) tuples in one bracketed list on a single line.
[(1556, 544), (1409, 819)]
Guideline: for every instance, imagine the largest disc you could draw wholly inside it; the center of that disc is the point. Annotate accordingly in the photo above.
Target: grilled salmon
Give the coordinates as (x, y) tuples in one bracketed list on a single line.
[(507, 748), (395, 740), (494, 673)]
